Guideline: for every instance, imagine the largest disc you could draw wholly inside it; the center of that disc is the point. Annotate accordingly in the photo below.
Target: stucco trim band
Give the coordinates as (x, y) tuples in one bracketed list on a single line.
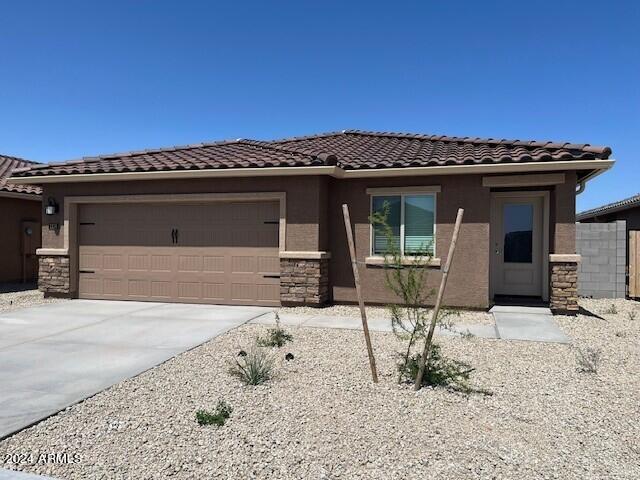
[(52, 252), (379, 260), (406, 190), (533, 180), (564, 258), (306, 255)]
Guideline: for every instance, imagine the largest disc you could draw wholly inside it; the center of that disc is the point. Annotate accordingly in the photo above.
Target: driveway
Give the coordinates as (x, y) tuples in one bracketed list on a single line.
[(54, 355)]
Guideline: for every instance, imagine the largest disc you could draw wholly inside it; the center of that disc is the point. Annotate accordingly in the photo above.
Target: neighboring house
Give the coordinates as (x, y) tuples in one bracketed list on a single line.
[(260, 223), (627, 211), (20, 216)]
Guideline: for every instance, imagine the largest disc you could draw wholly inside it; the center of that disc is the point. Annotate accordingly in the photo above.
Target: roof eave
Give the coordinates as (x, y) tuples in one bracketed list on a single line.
[(36, 197), (333, 171)]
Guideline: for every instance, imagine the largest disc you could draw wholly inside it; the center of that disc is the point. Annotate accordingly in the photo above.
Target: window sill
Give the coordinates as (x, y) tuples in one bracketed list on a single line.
[(378, 260)]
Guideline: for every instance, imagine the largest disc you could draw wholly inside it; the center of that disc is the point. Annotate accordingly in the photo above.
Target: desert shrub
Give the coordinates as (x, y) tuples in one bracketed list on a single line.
[(632, 315), (254, 368), (407, 280), (612, 310), (588, 359), (467, 335), (440, 371), (217, 417), (276, 337)]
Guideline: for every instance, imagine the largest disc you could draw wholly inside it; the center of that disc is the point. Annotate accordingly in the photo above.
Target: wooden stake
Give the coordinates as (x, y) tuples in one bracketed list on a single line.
[(356, 277), (443, 283)]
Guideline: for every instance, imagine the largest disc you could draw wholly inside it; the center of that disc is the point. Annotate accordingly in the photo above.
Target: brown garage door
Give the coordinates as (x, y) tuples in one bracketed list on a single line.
[(225, 253)]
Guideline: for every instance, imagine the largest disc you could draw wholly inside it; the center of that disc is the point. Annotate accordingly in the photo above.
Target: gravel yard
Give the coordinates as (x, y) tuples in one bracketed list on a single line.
[(321, 418), (14, 296), (461, 317)]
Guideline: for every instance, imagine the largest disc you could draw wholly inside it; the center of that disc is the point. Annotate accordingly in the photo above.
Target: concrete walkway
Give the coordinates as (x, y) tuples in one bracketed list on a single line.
[(533, 324), (375, 324), (57, 354)]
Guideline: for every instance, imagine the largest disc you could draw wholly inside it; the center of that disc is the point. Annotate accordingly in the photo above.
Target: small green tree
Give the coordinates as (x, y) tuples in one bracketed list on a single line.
[(406, 277)]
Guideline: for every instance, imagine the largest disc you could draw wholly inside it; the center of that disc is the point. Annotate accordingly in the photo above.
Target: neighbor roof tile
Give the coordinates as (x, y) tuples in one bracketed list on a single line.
[(7, 166)]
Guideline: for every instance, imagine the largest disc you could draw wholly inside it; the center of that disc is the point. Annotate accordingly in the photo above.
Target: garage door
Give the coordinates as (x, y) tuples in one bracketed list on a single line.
[(224, 253)]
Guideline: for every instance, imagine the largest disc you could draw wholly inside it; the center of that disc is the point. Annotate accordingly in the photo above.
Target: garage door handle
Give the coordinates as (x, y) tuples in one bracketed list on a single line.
[(87, 271), (270, 276)]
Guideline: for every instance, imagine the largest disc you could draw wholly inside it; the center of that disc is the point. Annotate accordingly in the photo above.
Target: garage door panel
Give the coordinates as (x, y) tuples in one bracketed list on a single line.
[(268, 264), (213, 264), (222, 256), (138, 288), (89, 260), (161, 263)]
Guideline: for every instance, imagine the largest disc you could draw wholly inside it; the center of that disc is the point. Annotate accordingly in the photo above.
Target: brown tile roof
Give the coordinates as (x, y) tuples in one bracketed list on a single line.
[(350, 150), (618, 206), (357, 149), (219, 155), (7, 166)]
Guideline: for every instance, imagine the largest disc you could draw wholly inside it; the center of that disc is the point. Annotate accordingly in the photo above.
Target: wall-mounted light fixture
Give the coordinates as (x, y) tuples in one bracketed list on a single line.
[(52, 207)]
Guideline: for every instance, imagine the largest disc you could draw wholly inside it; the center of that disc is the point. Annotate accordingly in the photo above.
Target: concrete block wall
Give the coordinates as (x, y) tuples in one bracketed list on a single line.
[(602, 271)]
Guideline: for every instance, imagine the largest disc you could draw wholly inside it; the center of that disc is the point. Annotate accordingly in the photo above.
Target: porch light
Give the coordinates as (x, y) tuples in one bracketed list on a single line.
[(52, 207)]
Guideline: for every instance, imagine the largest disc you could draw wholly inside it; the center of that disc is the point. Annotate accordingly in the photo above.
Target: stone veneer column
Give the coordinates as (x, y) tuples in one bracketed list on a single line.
[(304, 281), (563, 298), (54, 275)]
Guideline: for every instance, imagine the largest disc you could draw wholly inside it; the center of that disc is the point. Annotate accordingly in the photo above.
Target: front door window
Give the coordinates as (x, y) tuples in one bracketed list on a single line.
[(518, 232)]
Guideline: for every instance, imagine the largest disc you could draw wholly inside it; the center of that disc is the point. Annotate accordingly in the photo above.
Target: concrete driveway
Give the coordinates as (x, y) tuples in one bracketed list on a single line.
[(54, 355)]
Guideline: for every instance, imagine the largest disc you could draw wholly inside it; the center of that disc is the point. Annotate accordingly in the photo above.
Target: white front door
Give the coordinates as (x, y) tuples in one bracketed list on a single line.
[(516, 244)]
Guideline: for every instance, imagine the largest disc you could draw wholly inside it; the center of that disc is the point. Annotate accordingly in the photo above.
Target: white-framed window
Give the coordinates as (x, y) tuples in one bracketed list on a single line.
[(412, 218)]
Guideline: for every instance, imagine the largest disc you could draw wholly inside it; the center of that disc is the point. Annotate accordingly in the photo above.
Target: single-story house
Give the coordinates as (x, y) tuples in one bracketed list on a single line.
[(627, 210), (20, 215), (260, 223)]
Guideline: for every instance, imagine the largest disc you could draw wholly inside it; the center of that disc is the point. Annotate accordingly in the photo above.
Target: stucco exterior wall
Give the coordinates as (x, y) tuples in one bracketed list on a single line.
[(563, 216), (315, 223), (305, 209), (469, 276), (13, 212)]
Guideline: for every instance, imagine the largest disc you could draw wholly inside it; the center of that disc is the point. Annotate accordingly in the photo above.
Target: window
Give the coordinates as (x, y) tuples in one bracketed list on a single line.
[(518, 233), (412, 220)]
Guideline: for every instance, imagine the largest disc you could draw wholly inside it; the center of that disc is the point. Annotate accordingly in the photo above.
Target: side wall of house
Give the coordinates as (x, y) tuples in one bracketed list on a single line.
[(13, 212)]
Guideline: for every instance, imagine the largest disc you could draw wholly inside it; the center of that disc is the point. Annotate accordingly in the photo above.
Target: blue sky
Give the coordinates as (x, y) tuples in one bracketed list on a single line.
[(84, 78)]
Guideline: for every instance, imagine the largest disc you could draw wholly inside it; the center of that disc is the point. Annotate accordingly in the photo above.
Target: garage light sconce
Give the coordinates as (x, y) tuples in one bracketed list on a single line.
[(52, 207)]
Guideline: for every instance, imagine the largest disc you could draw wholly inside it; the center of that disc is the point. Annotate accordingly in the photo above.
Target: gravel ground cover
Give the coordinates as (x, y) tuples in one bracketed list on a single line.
[(14, 296), (462, 317), (322, 418)]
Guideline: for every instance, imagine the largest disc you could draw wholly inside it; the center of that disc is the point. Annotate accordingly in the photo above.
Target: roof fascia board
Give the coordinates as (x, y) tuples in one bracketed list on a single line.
[(489, 168), (337, 172), (22, 196), (176, 174)]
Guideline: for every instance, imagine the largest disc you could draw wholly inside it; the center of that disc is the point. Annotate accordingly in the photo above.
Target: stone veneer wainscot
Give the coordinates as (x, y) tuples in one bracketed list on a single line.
[(304, 281), (54, 276), (564, 287)]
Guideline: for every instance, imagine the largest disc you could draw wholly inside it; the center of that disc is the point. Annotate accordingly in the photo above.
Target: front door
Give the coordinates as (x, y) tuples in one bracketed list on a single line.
[(516, 244)]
